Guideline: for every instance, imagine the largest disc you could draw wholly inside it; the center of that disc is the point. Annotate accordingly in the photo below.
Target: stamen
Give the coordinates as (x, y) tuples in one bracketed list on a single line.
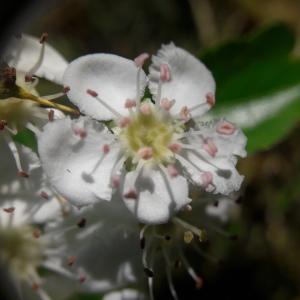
[(81, 223), (71, 260), (129, 103), (199, 232), (80, 132), (226, 128), (105, 148), (207, 179), (205, 255), (40, 60), (145, 109), (210, 99), (3, 123), (131, 194), (115, 181), (9, 210), (124, 122), (65, 90), (145, 153), (188, 237), (175, 147), (14, 150), (165, 74), (51, 115), (210, 147), (36, 233), (185, 114), (172, 171), (167, 104), (169, 275), (198, 280), (140, 60), (94, 94)]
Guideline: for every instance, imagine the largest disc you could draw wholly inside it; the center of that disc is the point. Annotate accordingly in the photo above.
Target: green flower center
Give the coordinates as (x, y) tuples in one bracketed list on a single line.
[(152, 131)]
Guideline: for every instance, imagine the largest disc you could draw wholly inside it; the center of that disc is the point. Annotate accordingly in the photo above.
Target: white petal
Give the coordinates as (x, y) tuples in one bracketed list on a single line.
[(228, 145), (69, 161), (159, 195), (114, 78), (225, 209), (190, 80), (23, 53), (126, 294)]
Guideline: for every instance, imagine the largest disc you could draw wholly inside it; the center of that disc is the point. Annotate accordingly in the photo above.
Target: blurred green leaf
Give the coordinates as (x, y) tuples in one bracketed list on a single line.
[(27, 138), (254, 70)]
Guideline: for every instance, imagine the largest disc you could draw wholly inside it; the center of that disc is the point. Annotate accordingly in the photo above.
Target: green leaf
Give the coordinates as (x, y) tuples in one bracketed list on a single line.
[(258, 78), (27, 138)]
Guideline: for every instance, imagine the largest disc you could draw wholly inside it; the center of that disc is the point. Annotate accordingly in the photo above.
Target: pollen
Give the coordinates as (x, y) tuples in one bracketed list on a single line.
[(20, 250), (149, 131)]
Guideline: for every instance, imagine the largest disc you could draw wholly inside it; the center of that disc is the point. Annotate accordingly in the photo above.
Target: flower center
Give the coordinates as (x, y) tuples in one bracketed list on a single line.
[(17, 112), (148, 135), (20, 250)]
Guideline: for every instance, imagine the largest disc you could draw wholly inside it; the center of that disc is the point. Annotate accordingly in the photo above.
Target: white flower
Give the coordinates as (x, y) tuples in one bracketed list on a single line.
[(152, 151), (27, 57), (38, 229)]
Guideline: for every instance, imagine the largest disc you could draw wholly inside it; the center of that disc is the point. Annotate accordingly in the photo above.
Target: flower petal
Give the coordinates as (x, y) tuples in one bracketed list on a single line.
[(190, 84), (125, 294), (112, 77), (73, 158), (23, 53), (159, 196), (213, 152)]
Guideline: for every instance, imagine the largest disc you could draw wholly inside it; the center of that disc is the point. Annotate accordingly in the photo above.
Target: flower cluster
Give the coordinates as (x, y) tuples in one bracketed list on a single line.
[(136, 143)]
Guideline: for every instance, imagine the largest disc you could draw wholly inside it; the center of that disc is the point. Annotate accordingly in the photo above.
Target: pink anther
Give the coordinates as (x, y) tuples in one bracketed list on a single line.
[(66, 89), (145, 153), (207, 178), (210, 99), (3, 123), (23, 174), (44, 37), (225, 127), (145, 109), (167, 104), (9, 210), (130, 103), (80, 132), (105, 148), (172, 171), (71, 260), (124, 122), (131, 194), (44, 195), (115, 181), (210, 147), (185, 114), (51, 115), (165, 74), (92, 93), (175, 147), (36, 233), (140, 60)]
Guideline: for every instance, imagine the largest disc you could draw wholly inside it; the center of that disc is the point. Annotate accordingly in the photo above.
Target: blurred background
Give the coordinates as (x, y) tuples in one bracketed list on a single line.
[(253, 49)]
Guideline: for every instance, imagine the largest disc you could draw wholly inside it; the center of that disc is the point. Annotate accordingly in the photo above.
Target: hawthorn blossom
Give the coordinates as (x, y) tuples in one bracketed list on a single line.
[(153, 149), (26, 58), (39, 230)]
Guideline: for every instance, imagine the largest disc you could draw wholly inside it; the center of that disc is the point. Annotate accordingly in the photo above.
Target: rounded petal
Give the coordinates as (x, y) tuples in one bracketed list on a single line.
[(112, 77), (159, 196), (191, 83), (126, 294), (73, 158), (23, 53)]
